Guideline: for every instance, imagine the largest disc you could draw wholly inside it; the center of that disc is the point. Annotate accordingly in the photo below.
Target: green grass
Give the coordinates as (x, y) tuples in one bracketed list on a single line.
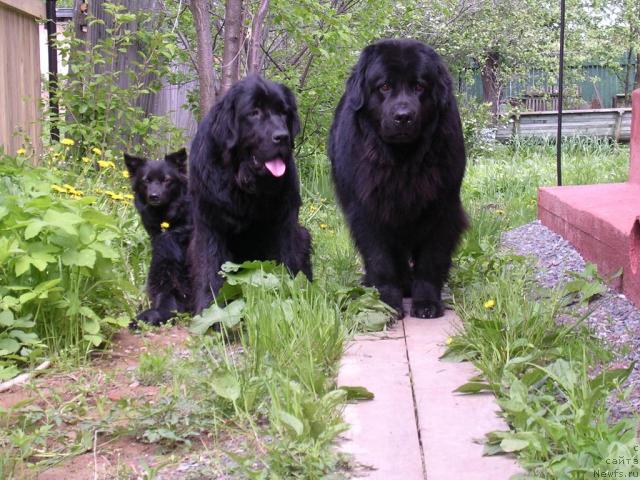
[(542, 373), (263, 390)]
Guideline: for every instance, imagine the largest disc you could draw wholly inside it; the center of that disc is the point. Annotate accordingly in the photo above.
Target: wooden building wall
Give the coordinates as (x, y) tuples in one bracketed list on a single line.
[(20, 89)]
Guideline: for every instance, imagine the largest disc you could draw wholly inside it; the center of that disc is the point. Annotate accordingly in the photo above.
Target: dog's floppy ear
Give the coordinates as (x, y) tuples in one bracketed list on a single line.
[(178, 159), (442, 87), (356, 84), (225, 123), (293, 121), (133, 163)]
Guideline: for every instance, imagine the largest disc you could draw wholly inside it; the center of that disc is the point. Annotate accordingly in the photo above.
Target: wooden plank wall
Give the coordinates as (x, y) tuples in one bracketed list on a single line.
[(20, 89)]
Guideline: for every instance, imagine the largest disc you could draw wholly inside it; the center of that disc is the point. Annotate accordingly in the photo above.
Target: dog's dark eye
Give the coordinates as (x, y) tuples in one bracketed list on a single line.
[(167, 179), (385, 88), (254, 113), (419, 88)]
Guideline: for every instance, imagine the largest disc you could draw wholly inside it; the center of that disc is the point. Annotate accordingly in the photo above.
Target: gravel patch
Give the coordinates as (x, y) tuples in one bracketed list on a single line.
[(614, 318)]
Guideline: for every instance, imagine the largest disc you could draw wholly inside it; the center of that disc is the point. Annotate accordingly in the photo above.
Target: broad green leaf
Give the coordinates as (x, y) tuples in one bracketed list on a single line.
[(25, 338), (22, 265), (91, 326), (474, 387), (8, 345), (290, 420), (6, 318), (82, 258), (226, 385), (357, 393), (229, 316), (372, 321), (513, 444), (33, 228), (7, 373), (95, 340), (64, 220)]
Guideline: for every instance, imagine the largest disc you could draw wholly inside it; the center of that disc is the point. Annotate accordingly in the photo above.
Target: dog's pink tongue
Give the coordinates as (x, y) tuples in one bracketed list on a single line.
[(276, 167)]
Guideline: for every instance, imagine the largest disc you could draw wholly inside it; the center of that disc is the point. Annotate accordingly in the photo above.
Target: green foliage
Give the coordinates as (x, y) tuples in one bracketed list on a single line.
[(102, 103), (61, 282), (551, 379)]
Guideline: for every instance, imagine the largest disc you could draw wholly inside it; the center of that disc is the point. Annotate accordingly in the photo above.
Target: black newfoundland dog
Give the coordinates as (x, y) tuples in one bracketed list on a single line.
[(161, 198), (244, 186), (398, 160)]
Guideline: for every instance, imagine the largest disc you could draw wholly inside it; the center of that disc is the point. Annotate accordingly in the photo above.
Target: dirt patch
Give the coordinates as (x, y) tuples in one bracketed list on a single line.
[(109, 377)]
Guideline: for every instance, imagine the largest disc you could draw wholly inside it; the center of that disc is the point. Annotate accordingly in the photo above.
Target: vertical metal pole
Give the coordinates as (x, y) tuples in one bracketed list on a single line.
[(53, 69), (560, 96)]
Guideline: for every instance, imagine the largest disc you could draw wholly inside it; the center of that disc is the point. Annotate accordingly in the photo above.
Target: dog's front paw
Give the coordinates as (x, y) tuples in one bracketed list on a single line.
[(153, 317), (427, 309)]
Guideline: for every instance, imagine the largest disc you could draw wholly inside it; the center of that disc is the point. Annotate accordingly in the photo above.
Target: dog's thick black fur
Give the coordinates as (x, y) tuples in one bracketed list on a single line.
[(161, 198), (398, 159), (244, 185)]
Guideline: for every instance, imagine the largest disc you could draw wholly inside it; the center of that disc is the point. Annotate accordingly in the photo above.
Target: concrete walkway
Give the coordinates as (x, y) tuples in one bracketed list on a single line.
[(416, 427)]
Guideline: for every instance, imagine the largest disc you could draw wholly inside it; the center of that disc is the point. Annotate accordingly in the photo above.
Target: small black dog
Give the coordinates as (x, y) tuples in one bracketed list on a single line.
[(398, 159), (161, 198), (245, 187)]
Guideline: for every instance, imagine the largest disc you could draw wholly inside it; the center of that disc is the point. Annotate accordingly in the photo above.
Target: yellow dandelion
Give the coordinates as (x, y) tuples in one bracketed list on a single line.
[(86, 159), (96, 150), (106, 164), (449, 340), (323, 226), (68, 187), (164, 225), (58, 188), (117, 196), (128, 196), (125, 173), (499, 212), (21, 151), (489, 304), (68, 142), (77, 193)]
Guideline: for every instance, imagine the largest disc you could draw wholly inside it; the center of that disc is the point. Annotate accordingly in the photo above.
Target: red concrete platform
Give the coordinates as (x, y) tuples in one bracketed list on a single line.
[(602, 221)]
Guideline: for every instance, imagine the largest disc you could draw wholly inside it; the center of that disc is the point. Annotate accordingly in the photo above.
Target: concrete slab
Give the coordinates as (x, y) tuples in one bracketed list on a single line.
[(416, 428), (383, 436), (451, 424)]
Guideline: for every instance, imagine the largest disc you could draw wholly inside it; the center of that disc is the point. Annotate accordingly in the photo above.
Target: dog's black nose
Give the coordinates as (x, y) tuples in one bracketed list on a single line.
[(154, 197), (404, 116), (280, 136)]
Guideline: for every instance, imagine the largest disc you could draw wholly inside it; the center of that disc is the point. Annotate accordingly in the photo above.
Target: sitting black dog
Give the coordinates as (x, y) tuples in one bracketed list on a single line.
[(244, 186), (161, 198)]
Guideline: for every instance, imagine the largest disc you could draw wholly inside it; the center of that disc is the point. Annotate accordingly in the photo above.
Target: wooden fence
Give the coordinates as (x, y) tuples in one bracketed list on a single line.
[(20, 89), (613, 123)]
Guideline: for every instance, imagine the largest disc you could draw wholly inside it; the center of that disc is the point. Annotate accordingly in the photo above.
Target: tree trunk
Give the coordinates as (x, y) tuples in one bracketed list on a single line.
[(204, 58), (231, 54), (124, 61), (489, 76), (253, 59)]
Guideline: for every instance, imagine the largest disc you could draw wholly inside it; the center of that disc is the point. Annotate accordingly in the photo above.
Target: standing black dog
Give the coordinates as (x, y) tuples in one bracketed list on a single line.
[(245, 187), (398, 160), (161, 198)]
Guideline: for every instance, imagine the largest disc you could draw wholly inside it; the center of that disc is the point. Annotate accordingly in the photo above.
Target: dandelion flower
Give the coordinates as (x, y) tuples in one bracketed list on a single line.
[(449, 340), (125, 173), (58, 188), (164, 225), (499, 212), (128, 196), (21, 151), (68, 142), (106, 164), (489, 304), (323, 226), (96, 150), (86, 159), (117, 196)]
